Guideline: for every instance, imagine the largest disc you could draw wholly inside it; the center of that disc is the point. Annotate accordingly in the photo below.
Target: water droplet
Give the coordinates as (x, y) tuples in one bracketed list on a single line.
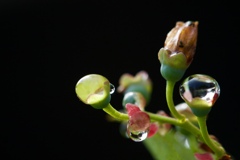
[(112, 88), (138, 136), (200, 87)]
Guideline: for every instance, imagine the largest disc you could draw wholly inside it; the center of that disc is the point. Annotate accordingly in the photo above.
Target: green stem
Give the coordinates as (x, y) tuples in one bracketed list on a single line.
[(155, 117), (183, 122), (163, 119), (216, 147), (115, 114), (192, 128), (169, 96)]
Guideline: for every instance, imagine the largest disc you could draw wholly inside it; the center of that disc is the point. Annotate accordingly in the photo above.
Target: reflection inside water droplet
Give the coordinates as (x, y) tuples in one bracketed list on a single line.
[(138, 136), (200, 86), (112, 88)]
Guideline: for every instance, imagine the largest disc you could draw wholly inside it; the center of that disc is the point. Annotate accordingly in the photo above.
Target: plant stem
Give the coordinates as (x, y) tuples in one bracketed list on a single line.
[(115, 114), (183, 122), (191, 128), (169, 96), (216, 147), (163, 119)]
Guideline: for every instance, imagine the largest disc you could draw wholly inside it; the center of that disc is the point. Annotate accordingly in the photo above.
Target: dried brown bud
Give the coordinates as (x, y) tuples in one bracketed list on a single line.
[(226, 157), (183, 38)]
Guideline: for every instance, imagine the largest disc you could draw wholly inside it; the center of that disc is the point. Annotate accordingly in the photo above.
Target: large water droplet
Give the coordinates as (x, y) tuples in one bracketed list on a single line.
[(112, 88), (138, 136), (200, 87)]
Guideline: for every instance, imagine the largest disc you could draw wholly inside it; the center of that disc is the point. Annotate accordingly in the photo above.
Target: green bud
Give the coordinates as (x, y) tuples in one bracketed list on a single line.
[(94, 90), (172, 68), (134, 98), (139, 83), (140, 88)]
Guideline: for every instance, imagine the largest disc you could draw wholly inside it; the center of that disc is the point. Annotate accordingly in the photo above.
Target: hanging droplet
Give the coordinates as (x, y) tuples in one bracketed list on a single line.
[(138, 136), (112, 88), (200, 91)]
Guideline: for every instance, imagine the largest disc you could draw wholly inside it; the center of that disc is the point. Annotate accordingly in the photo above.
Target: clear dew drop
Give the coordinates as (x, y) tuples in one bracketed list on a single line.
[(200, 86), (112, 88), (138, 136)]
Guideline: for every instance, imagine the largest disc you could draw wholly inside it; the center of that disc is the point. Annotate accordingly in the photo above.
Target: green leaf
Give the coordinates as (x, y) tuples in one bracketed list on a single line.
[(168, 147)]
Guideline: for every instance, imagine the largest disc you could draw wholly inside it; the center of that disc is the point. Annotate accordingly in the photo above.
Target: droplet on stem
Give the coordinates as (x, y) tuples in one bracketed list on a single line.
[(112, 88)]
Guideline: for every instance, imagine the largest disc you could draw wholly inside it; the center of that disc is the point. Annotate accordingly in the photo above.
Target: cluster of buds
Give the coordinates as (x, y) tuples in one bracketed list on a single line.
[(199, 93), (137, 91)]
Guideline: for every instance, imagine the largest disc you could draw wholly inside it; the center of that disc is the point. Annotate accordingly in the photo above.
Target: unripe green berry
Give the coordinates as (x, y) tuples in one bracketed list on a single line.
[(94, 90)]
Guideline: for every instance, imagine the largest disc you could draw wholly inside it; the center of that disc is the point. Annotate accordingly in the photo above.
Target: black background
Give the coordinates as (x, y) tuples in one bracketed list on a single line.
[(47, 46)]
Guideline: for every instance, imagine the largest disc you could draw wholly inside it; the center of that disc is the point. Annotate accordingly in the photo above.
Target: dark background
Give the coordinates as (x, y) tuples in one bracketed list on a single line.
[(47, 46)]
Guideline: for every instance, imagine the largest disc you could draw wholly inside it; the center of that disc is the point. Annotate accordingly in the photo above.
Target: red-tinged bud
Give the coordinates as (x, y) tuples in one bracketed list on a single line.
[(132, 109), (204, 156), (138, 124), (153, 129)]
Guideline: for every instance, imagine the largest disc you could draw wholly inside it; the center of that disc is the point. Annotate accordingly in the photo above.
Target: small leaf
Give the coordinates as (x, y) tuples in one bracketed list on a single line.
[(167, 147)]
